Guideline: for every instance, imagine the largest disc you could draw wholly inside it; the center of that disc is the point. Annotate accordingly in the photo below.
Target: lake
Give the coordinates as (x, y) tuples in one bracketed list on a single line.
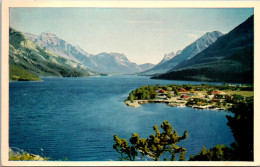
[(76, 118)]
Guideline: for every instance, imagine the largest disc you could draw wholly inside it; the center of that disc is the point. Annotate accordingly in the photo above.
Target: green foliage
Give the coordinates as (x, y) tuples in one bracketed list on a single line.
[(154, 146), (131, 97), (221, 71), (121, 146), (217, 153), (143, 93), (188, 87), (242, 126), (19, 74), (148, 92), (196, 101), (169, 94)]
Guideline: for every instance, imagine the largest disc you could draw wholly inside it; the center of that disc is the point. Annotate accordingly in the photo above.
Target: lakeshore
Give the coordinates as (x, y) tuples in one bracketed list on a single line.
[(176, 102), (197, 97), (84, 95)]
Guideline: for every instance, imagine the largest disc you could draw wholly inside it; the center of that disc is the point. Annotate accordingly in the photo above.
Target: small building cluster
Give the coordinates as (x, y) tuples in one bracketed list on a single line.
[(212, 97), (196, 98)]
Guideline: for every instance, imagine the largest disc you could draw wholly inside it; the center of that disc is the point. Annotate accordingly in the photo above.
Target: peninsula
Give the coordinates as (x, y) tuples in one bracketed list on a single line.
[(205, 96)]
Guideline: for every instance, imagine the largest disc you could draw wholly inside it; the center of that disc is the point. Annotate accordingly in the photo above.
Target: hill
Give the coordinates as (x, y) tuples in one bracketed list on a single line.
[(229, 59), (187, 53), (102, 62), (29, 61)]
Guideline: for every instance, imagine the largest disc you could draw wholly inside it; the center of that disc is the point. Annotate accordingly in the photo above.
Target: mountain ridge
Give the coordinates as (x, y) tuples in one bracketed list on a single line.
[(229, 59), (118, 63), (36, 61), (188, 52)]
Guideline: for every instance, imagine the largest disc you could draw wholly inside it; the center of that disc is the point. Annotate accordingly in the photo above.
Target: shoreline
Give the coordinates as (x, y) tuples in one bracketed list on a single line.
[(137, 103), (215, 97)]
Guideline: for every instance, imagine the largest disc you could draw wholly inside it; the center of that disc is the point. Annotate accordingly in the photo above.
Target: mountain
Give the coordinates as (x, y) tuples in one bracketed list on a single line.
[(187, 53), (229, 59), (29, 61), (146, 66), (178, 52), (114, 63), (52, 43), (167, 57), (103, 62)]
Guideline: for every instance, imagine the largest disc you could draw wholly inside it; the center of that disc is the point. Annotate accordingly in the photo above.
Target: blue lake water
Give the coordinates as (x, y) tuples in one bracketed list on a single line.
[(76, 118)]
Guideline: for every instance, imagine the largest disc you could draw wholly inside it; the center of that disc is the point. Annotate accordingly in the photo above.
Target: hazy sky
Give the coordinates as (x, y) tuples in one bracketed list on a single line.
[(144, 35)]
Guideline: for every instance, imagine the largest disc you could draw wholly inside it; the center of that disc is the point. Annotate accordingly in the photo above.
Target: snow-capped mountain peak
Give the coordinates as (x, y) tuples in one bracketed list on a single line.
[(187, 53)]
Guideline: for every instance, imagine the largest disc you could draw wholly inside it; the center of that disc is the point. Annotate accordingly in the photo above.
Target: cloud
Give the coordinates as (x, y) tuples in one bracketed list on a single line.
[(143, 22)]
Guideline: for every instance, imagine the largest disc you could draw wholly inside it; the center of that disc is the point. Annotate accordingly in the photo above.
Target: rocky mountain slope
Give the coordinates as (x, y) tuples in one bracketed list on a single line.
[(28, 61), (187, 53), (146, 66), (159, 68), (103, 62), (114, 63), (229, 59)]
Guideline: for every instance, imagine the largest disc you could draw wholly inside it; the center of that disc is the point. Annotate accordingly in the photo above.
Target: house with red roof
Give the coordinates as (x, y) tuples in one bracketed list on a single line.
[(215, 92), (185, 96), (182, 90), (162, 91)]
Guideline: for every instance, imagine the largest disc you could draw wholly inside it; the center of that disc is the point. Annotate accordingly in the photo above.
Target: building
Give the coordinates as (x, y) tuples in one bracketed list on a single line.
[(185, 96)]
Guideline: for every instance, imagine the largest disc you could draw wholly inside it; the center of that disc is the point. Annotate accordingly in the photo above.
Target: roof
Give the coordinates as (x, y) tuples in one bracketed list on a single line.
[(182, 90), (216, 100), (215, 92), (162, 91), (185, 96)]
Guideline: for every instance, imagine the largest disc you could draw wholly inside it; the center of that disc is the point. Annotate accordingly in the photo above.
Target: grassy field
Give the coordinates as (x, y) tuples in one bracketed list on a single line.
[(19, 74), (242, 93)]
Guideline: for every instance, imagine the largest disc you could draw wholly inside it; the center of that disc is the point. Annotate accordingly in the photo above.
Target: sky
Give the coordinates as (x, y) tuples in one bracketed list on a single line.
[(144, 35)]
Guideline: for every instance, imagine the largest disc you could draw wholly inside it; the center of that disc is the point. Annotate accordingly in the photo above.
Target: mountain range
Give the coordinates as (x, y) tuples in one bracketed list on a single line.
[(29, 61), (171, 60), (228, 59), (214, 57), (102, 62)]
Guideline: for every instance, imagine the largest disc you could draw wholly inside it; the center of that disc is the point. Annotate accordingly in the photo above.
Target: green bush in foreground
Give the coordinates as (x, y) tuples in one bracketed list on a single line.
[(242, 126), (154, 146), (217, 153)]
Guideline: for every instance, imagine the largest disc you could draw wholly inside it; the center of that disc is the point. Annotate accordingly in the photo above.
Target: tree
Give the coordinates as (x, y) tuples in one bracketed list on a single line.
[(217, 153), (152, 147), (131, 97), (169, 94), (176, 91), (121, 146), (242, 126)]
